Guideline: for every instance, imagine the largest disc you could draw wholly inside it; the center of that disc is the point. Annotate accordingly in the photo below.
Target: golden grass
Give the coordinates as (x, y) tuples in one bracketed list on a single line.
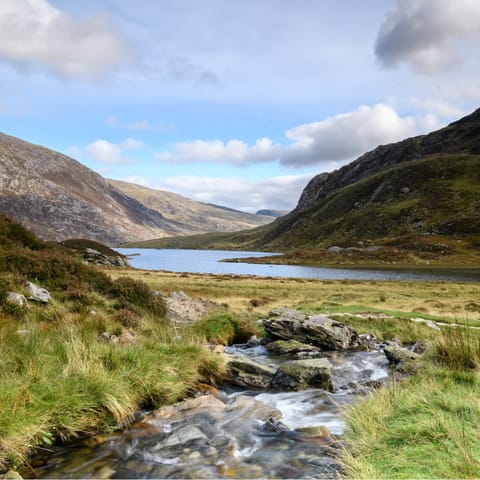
[(439, 299)]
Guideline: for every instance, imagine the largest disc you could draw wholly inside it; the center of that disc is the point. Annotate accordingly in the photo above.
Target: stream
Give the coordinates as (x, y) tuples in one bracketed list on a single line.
[(230, 433)]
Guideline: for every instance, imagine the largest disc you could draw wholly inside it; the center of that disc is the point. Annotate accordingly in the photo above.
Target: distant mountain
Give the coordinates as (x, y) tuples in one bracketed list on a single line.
[(272, 213), (419, 195), (58, 198), (197, 217)]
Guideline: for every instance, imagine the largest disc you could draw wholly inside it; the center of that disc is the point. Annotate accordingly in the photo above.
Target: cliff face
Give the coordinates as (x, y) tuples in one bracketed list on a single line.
[(462, 136), (58, 198)]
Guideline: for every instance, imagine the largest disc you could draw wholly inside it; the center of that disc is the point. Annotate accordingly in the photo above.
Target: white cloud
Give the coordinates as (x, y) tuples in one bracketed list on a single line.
[(110, 153), (347, 135), (142, 125), (327, 143), (427, 34), (35, 34), (233, 152), (280, 192)]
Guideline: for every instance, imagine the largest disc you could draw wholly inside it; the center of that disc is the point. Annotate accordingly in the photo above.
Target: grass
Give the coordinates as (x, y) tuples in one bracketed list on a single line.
[(57, 380), (425, 427)]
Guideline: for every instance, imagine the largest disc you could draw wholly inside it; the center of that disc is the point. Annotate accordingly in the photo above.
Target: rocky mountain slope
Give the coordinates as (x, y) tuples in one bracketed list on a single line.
[(428, 184), (198, 217), (59, 198), (420, 196)]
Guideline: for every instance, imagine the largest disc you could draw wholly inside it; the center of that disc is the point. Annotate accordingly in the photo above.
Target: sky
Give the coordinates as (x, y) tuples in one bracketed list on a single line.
[(233, 102)]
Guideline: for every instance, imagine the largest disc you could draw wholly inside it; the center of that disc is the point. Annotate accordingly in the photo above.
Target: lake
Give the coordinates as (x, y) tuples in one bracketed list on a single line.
[(209, 261)]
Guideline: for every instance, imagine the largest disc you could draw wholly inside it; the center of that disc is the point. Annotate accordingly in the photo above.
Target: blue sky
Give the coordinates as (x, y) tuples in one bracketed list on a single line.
[(237, 103)]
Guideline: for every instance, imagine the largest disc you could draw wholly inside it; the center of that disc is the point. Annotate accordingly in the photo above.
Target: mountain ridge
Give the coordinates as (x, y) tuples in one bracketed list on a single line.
[(59, 198)]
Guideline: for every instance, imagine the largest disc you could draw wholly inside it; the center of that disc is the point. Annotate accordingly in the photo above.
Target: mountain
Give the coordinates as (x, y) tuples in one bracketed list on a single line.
[(428, 184), (272, 213), (420, 196), (58, 198), (196, 216)]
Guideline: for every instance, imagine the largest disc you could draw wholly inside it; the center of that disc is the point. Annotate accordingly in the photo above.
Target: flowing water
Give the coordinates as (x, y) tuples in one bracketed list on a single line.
[(232, 433)]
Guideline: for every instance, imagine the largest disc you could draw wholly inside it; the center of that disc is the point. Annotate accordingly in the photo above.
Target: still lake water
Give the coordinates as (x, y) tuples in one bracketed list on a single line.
[(209, 261)]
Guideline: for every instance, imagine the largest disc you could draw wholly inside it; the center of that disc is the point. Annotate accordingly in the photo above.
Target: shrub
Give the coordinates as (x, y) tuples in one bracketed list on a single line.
[(138, 293), (127, 317)]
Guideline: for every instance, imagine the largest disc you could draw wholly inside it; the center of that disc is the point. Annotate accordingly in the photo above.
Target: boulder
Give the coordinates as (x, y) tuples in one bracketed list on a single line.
[(293, 349), (37, 293), (303, 374), (396, 355), (318, 330), (17, 299), (249, 374), (126, 338)]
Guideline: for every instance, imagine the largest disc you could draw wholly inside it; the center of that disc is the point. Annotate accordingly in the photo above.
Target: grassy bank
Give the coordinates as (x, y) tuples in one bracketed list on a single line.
[(425, 427), (57, 380)]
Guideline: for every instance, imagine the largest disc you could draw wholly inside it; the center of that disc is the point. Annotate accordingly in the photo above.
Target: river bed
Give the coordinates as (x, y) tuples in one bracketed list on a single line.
[(232, 433)]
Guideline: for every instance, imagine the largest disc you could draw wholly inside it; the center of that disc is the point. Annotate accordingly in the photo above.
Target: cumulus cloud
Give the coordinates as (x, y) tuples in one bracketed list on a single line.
[(327, 143), (347, 135), (34, 34), (280, 192), (426, 33), (233, 152), (111, 153)]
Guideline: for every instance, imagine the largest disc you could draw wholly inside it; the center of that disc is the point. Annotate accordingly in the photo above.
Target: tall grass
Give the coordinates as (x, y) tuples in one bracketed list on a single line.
[(58, 381), (459, 349), (426, 426)]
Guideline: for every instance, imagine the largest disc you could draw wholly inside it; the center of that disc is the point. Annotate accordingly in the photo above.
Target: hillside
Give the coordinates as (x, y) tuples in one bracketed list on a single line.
[(418, 199), (195, 216), (58, 198)]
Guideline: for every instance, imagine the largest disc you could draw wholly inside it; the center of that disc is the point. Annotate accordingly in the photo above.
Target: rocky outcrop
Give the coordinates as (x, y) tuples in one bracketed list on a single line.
[(303, 374), (94, 256), (318, 330), (38, 294), (246, 373)]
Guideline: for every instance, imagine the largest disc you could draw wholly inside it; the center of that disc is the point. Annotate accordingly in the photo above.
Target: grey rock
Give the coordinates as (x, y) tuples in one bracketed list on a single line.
[(303, 374), (17, 299), (396, 354), (183, 436), (334, 249), (293, 349), (405, 190), (246, 373), (272, 425), (368, 341), (318, 330), (253, 341), (37, 293)]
